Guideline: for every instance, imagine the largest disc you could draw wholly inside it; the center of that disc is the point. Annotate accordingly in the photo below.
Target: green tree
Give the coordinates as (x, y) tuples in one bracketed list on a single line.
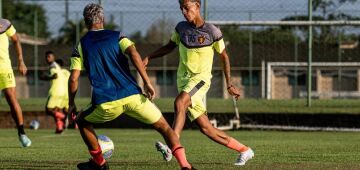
[(68, 32), (328, 12), (22, 16), (160, 31)]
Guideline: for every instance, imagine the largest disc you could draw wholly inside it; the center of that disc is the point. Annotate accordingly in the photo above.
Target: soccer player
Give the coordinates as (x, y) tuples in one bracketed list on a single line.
[(197, 41), (57, 91), (65, 99), (103, 54), (7, 79)]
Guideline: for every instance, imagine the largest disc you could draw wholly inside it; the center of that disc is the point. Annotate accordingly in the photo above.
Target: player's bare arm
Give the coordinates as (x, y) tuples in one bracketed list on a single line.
[(136, 60), (73, 87), (233, 91), (21, 65), (48, 77), (162, 51)]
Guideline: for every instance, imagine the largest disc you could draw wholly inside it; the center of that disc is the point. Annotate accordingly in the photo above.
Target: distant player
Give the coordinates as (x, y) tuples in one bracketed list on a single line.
[(7, 79), (57, 92), (197, 41), (103, 54), (65, 100)]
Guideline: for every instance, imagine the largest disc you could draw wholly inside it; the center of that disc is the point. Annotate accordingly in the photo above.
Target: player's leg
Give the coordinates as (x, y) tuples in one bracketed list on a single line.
[(52, 108), (143, 110), (222, 138), (182, 102), (172, 141), (90, 139), (16, 113)]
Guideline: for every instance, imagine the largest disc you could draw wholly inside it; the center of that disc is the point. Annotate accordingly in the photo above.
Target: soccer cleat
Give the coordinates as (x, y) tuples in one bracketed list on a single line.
[(165, 151), (244, 157), (24, 140), (91, 165), (186, 168)]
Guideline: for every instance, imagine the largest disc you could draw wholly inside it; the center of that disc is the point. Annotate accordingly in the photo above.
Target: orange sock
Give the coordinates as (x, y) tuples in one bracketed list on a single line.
[(236, 145), (59, 124), (59, 115), (179, 152), (97, 156)]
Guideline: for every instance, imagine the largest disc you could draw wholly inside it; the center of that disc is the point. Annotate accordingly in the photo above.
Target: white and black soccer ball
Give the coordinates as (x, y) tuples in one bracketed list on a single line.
[(34, 124), (106, 145)]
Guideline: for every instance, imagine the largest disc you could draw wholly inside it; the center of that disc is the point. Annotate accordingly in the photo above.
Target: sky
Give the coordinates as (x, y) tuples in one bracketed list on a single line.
[(138, 15)]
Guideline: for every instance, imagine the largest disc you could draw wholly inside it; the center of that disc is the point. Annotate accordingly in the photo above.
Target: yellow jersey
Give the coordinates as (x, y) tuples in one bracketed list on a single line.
[(57, 85), (196, 48), (6, 30)]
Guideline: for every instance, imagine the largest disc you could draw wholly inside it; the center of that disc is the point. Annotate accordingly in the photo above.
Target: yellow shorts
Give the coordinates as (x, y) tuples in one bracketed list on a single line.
[(136, 106), (7, 79), (55, 102), (197, 89), (65, 103)]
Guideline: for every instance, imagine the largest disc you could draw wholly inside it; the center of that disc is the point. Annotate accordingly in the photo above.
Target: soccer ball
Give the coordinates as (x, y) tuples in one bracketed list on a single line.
[(34, 124), (106, 145)]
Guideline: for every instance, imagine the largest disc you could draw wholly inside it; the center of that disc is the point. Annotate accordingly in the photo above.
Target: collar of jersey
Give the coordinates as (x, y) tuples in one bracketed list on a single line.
[(98, 30)]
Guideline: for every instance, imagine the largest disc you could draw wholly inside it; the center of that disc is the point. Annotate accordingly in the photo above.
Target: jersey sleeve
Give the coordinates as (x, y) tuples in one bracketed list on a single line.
[(125, 43), (76, 60), (175, 37), (53, 71), (10, 31), (219, 44)]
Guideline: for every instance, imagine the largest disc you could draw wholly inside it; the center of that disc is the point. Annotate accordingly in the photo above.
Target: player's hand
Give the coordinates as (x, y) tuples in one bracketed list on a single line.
[(234, 91), (149, 91), (145, 62), (22, 68)]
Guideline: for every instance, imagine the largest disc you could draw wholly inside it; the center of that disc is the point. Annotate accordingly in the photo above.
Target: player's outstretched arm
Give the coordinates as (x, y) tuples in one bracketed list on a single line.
[(162, 51), (21, 65), (48, 77), (233, 91), (73, 87), (136, 60)]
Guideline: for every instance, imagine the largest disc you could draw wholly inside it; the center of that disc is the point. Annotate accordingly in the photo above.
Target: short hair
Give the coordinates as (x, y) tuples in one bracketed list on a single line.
[(60, 62), (93, 14), (48, 53), (198, 1)]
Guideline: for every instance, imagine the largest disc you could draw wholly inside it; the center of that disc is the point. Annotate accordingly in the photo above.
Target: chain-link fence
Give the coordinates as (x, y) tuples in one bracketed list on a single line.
[(57, 25)]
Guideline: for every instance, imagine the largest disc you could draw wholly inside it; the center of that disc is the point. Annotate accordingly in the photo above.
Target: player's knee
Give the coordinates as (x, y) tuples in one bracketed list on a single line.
[(179, 104), (80, 121)]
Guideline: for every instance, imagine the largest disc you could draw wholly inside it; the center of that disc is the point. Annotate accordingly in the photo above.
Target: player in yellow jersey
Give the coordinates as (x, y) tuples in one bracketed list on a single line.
[(57, 91), (7, 79), (66, 74), (65, 99), (197, 41)]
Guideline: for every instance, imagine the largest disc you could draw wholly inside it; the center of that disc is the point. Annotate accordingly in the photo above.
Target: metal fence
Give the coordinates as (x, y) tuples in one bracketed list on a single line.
[(57, 25)]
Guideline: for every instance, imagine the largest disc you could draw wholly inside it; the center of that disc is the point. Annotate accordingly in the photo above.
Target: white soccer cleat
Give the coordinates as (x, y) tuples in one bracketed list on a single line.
[(165, 151), (244, 157), (25, 141)]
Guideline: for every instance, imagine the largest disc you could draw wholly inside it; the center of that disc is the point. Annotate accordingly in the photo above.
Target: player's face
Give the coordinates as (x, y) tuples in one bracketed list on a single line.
[(50, 58), (190, 10)]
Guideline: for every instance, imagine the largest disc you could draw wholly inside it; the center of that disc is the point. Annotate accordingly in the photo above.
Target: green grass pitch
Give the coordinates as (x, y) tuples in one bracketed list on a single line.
[(134, 149), (335, 106)]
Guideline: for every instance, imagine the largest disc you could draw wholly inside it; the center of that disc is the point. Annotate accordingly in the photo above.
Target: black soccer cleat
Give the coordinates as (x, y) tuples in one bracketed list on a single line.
[(192, 168), (91, 165)]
